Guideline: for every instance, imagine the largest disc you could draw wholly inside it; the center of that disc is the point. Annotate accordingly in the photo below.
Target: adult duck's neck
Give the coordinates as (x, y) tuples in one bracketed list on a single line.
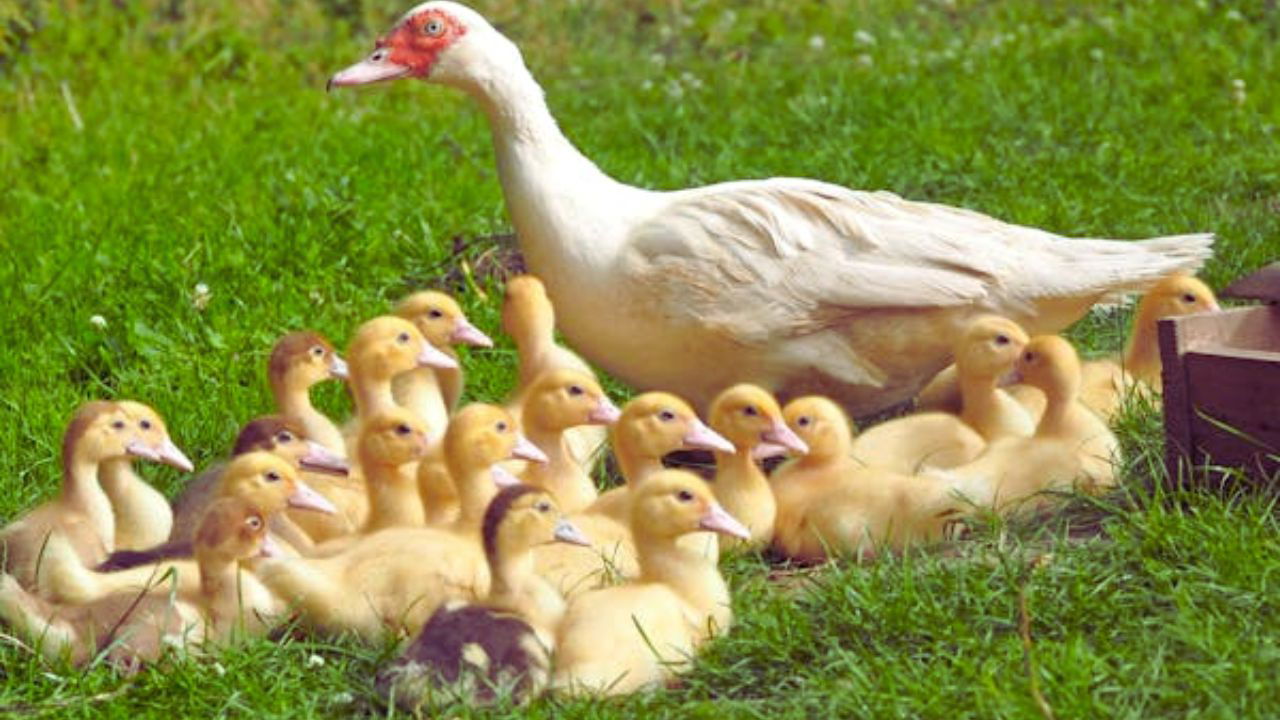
[(548, 184)]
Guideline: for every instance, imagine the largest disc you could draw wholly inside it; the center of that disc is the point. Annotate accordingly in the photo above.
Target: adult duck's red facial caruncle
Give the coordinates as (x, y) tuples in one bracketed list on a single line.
[(411, 49)]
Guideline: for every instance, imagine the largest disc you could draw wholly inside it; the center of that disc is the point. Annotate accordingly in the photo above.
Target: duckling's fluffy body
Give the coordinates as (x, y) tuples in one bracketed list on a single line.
[(639, 635)]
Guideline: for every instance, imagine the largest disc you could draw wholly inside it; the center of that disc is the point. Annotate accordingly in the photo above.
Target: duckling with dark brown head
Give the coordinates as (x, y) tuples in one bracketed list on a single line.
[(299, 361)]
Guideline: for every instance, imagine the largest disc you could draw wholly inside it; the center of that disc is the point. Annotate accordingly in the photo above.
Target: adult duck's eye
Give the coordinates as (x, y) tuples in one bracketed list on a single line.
[(118, 424), (575, 390), (750, 411), (402, 338), (403, 429), (272, 476), (1002, 339), (803, 421), (433, 28), (684, 496), (666, 416)]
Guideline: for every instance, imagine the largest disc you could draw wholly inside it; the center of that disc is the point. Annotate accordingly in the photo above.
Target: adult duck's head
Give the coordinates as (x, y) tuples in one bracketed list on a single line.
[(748, 416), (287, 439), (302, 359), (440, 320), (441, 42)]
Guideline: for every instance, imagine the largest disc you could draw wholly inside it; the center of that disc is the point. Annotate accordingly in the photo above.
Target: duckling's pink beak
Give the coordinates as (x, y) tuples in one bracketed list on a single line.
[(718, 520), (1013, 377), (321, 459), (270, 548), (166, 453), (338, 368), (502, 477), (304, 498), (567, 532), (526, 450), (466, 333), (431, 356), (782, 435), (767, 450), (701, 437), (604, 413), (1214, 306)]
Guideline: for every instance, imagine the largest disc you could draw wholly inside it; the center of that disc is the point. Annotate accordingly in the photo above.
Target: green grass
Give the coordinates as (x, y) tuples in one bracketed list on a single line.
[(207, 151)]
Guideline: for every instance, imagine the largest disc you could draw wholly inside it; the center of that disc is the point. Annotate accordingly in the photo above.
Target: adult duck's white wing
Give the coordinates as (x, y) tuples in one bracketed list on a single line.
[(778, 258)]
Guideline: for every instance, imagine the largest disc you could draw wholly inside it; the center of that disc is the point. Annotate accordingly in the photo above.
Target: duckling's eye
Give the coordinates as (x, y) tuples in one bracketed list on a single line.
[(272, 476), (145, 424), (543, 507), (254, 522), (684, 496), (433, 28), (750, 411), (1002, 339), (501, 426), (317, 350), (435, 314), (666, 416), (284, 437), (803, 421), (1188, 298), (402, 338), (575, 390), (118, 424), (403, 429)]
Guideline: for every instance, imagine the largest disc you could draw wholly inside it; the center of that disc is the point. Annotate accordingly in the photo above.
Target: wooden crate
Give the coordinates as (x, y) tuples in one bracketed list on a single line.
[(1221, 376)]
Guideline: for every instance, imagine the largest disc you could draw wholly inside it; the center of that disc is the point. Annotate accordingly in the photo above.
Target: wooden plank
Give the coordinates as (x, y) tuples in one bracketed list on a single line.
[(1253, 328), (1177, 409), (1261, 285), (1235, 418)]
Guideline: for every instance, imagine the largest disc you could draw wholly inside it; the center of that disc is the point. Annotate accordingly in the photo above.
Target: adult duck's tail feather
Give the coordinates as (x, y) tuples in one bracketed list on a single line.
[(1128, 267)]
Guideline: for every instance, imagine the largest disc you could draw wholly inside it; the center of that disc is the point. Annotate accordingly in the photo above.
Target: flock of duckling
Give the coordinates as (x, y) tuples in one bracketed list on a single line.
[(479, 529)]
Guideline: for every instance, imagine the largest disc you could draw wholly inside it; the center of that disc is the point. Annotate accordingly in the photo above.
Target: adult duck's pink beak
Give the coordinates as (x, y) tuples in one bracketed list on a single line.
[(782, 435), (321, 459), (701, 437), (466, 333), (604, 413), (526, 450), (304, 498), (717, 519), (431, 356), (375, 68)]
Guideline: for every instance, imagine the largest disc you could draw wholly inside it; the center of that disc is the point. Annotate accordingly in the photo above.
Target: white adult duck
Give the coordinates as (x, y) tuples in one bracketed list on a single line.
[(795, 285)]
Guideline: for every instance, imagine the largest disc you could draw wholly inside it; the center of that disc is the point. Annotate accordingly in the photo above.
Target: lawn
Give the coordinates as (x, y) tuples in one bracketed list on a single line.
[(147, 147)]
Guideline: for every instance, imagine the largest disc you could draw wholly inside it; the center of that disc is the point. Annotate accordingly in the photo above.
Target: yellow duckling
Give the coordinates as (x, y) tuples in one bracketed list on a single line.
[(143, 516), (530, 319), (394, 579), (618, 640), (747, 416), (133, 628), (267, 481), (984, 358), (82, 513), (828, 502), (433, 393), (555, 402), (299, 361), (500, 647), (1070, 448)]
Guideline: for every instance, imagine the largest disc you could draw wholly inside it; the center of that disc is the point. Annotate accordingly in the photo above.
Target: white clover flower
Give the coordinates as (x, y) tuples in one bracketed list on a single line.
[(315, 661), (646, 85), (658, 59), (865, 60), (98, 321), (674, 90), (817, 42), (691, 80), (1239, 91), (1234, 15), (863, 38), (1096, 54), (200, 296), (218, 669), (342, 698)]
